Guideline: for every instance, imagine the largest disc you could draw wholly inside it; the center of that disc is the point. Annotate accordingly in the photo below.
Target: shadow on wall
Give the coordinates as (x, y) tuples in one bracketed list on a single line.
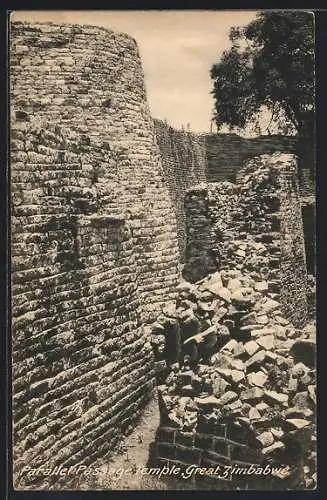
[(309, 223)]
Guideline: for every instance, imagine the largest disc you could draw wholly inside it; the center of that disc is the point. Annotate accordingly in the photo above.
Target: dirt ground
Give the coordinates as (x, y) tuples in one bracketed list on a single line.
[(133, 454)]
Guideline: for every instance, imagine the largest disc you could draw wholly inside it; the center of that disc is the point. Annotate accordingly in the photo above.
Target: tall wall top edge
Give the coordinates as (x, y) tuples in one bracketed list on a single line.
[(229, 135), (68, 28)]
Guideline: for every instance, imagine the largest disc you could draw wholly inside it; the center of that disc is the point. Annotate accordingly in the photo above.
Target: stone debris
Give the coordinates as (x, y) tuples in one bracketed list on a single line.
[(99, 223), (231, 366)]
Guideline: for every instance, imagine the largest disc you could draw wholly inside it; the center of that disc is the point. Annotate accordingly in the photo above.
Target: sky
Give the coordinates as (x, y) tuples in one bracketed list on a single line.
[(177, 49)]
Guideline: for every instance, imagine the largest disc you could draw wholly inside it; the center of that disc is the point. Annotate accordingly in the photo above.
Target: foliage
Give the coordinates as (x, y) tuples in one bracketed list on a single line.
[(269, 65)]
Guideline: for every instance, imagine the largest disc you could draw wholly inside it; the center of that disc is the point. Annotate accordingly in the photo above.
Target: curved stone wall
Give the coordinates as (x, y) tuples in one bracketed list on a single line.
[(94, 246)]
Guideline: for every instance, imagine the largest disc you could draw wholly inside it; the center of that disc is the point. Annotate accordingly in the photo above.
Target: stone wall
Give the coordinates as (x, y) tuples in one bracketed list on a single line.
[(189, 159), (255, 225), (220, 456), (184, 162), (98, 223), (227, 153), (94, 246), (236, 382)]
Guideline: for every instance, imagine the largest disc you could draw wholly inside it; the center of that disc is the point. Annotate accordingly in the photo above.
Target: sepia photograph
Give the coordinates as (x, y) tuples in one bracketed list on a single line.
[(162, 177)]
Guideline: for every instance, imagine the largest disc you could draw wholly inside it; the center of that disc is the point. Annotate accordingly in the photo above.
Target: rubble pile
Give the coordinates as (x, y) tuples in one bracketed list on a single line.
[(242, 226), (225, 352), (252, 240), (254, 226)]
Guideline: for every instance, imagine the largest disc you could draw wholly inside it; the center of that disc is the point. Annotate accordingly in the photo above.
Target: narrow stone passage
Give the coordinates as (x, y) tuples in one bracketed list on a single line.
[(151, 265), (133, 453), (128, 468)]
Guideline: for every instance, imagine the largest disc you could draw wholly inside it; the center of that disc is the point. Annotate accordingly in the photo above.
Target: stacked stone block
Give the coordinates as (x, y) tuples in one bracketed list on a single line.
[(241, 389), (227, 153), (217, 458), (255, 225), (94, 245), (184, 162), (190, 159)]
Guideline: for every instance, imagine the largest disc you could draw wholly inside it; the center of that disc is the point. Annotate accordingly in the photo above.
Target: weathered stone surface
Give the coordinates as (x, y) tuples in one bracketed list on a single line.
[(96, 219), (254, 414), (276, 447), (208, 401), (94, 244), (228, 397), (237, 376), (258, 378), (267, 342), (256, 360), (276, 397), (252, 394), (219, 386), (298, 423), (266, 439), (229, 210), (251, 347)]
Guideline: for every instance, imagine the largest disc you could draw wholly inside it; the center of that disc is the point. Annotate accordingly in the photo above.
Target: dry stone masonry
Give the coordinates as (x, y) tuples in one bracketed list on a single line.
[(189, 159), (106, 203), (184, 162), (234, 359), (236, 388), (94, 244), (254, 225)]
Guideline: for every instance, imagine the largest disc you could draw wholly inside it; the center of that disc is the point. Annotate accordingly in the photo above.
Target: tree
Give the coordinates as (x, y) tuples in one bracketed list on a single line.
[(270, 65)]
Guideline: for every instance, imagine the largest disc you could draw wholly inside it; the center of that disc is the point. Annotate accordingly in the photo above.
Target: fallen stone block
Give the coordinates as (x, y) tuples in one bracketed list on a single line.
[(230, 346), (296, 412), (266, 438), (219, 386), (235, 408), (234, 284), (249, 319), (208, 401), (262, 319), (251, 347), (262, 406), (256, 361), (293, 384), (261, 332), (236, 364), (253, 394), (275, 447), (276, 397), (271, 357), (267, 342), (298, 423), (254, 414), (277, 432), (219, 314), (281, 320), (257, 378), (228, 398), (237, 376), (301, 400), (269, 305)]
